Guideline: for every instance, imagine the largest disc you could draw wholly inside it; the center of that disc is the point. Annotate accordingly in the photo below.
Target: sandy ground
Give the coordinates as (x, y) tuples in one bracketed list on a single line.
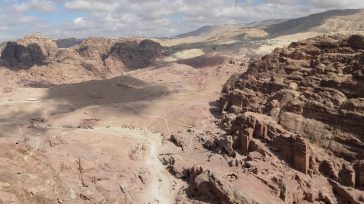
[(99, 141)]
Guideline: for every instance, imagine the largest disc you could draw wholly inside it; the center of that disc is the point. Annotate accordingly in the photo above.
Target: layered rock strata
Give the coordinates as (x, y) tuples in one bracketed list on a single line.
[(305, 102)]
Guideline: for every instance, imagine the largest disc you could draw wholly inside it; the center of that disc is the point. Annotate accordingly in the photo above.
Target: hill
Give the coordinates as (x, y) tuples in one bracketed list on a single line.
[(262, 37), (330, 21)]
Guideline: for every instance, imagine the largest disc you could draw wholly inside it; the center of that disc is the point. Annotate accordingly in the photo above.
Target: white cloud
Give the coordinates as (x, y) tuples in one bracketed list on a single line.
[(40, 5), (26, 19), (90, 5), (337, 4), (280, 1), (151, 17), (160, 17)]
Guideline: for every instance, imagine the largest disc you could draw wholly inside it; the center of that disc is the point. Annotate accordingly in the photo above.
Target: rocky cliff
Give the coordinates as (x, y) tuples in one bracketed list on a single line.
[(31, 50), (305, 103), (136, 54)]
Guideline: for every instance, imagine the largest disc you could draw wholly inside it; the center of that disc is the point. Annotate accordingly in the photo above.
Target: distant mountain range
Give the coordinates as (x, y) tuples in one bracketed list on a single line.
[(329, 21), (349, 20)]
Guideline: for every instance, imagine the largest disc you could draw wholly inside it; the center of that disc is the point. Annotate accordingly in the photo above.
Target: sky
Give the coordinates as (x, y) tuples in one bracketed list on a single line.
[(149, 18)]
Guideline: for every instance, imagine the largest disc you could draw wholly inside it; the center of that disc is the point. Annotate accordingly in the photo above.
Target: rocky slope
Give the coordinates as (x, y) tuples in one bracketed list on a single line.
[(327, 22), (303, 104)]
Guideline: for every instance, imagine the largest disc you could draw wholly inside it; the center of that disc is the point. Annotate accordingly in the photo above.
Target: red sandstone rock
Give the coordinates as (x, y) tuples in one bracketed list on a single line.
[(245, 139), (305, 103)]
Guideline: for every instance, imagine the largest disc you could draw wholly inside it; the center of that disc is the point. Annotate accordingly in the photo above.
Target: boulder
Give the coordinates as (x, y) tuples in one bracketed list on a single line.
[(356, 41)]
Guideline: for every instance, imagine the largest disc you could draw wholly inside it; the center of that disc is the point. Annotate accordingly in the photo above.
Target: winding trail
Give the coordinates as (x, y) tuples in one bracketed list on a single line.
[(161, 185)]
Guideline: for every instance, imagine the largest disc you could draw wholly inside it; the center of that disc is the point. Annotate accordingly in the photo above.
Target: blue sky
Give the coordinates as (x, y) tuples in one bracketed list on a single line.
[(114, 18), (57, 17)]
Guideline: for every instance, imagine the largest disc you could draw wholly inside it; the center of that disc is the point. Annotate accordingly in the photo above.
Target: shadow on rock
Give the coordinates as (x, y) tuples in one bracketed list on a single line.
[(137, 55), (16, 56)]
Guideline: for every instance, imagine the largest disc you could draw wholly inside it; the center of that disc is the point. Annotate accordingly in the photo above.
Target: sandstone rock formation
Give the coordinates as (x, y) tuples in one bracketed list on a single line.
[(93, 58), (95, 48), (126, 54), (304, 102), (31, 50), (136, 54)]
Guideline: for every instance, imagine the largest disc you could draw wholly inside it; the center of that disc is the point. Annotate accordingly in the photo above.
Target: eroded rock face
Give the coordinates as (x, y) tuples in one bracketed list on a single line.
[(293, 148), (129, 54), (136, 54), (31, 50), (306, 103), (96, 48)]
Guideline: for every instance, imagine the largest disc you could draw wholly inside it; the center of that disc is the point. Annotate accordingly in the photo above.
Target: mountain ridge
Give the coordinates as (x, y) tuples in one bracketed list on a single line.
[(279, 27)]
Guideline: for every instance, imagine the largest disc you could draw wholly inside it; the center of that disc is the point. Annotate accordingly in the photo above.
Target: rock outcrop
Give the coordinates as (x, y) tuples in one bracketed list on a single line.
[(293, 148), (96, 48), (135, 55), (31, 50), (39, 58), (305, 102), (111, 53)]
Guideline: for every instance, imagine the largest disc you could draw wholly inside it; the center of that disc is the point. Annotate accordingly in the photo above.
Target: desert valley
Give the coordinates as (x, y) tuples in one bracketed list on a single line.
[(264, 112)]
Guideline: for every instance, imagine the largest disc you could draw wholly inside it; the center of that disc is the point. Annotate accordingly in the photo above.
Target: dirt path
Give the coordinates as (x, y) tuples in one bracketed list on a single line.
[(161, 186)]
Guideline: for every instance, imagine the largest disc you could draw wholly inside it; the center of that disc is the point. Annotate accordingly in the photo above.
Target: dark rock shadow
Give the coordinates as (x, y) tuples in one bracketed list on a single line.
[(215, 109), (203, 61), (16, 56), (193, 194), (68, 42), (123, 95), (38, 84), (109, 92), (136, 55), (92, 68)]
